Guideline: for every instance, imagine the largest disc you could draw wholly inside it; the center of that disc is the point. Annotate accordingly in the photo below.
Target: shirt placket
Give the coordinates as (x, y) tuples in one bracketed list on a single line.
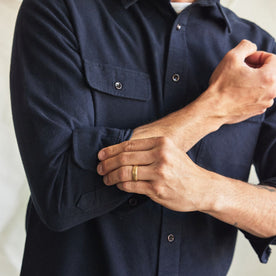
[(170, 242), (174, 97), (174, 93)]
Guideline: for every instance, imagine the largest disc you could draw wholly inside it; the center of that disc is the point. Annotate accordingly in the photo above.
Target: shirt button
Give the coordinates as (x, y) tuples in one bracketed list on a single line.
[(118, 85), (175, 77), (171, 238), (178, 27), (133, 201)]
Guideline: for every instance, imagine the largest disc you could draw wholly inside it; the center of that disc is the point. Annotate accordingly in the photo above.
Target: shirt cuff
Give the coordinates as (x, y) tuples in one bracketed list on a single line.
[(88, 142), (91, 198), (261, 245)]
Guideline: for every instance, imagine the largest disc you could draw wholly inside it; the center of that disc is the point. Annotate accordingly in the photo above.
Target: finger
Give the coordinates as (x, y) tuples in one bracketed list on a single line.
[(126, 159), (124, 174), (137, 187), (244, 49), (260, 58), (127, 146)]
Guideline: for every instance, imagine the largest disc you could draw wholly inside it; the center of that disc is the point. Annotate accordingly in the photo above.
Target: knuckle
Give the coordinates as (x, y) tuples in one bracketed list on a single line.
[(248, 43), (128, 145), (271, 95), (160, 141), (262, 108), (164, 156), (167, 141), (232, 57), (165, 144), (163, 141), (270, 79), (123, 158), (271, 102), (160, 171), (110, 151), (244, 41), (158, 190), (122, 174), (126, 186), (261, 111)]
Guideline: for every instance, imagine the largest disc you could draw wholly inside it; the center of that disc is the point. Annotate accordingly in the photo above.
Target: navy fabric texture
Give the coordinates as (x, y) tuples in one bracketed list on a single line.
[(84, 73)]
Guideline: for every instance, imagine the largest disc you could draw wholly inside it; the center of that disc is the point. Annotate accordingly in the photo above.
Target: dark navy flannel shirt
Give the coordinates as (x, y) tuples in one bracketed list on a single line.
[(67, 57)]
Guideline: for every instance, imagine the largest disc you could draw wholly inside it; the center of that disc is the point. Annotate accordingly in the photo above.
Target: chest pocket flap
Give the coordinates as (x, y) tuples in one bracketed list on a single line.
[(117, 81)]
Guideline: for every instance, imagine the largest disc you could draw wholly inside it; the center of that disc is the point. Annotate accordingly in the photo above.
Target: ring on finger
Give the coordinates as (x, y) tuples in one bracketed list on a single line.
[(134, 173)]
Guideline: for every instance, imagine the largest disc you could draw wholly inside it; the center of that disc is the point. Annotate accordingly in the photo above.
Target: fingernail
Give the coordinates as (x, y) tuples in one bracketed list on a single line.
[(105, 180), (100, 168)]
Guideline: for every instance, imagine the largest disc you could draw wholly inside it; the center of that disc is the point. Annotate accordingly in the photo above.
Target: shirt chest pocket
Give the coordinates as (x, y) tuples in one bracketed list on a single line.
[(121, 97)]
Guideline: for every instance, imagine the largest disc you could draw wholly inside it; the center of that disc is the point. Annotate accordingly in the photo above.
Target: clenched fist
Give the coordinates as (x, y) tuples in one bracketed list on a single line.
[(243, 84)]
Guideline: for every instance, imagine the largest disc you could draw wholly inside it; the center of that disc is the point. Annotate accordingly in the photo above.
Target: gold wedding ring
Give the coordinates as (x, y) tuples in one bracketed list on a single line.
[(134, 173)]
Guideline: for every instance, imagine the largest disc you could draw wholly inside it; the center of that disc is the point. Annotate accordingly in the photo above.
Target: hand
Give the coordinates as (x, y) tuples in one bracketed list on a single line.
[(165, 173), (243, 84), (170, 178)]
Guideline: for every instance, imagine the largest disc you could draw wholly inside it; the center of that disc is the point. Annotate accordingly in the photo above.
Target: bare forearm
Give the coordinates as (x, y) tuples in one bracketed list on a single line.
[(185, 126), (249, 207)]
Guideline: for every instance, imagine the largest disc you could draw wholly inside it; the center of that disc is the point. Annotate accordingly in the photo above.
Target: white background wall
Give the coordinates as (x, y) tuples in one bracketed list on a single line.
[(13, 186)]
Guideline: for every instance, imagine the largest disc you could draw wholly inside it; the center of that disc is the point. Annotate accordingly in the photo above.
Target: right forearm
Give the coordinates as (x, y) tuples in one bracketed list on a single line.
[(195, 121), (185, 126)]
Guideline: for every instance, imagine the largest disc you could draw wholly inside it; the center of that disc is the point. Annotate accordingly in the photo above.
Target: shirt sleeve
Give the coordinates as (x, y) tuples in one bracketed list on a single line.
[(54, 119), (265, 165)]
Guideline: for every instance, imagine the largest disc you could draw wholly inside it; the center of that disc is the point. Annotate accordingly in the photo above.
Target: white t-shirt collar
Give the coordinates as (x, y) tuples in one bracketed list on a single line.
[(179, 6)]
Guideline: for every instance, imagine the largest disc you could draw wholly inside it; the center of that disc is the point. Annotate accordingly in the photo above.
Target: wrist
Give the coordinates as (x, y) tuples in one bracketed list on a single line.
[(208, 111), (221, 194), (205, 198)]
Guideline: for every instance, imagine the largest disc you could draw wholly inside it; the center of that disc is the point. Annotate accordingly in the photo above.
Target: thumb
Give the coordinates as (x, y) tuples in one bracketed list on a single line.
[(258, 59), (244, 49)]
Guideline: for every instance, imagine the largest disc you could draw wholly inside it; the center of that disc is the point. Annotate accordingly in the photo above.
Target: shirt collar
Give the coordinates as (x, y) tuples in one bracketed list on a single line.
[(128, 3)]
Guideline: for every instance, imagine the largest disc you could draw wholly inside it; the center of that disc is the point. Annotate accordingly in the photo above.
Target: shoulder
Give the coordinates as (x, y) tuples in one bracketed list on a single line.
[(246, 29), (44, 11)]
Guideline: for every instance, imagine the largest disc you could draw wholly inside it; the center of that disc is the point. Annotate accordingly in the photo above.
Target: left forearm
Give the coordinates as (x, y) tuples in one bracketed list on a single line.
[(249, 207)]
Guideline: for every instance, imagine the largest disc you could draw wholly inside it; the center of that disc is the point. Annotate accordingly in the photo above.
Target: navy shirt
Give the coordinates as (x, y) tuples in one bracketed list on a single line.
[(84, 73)]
